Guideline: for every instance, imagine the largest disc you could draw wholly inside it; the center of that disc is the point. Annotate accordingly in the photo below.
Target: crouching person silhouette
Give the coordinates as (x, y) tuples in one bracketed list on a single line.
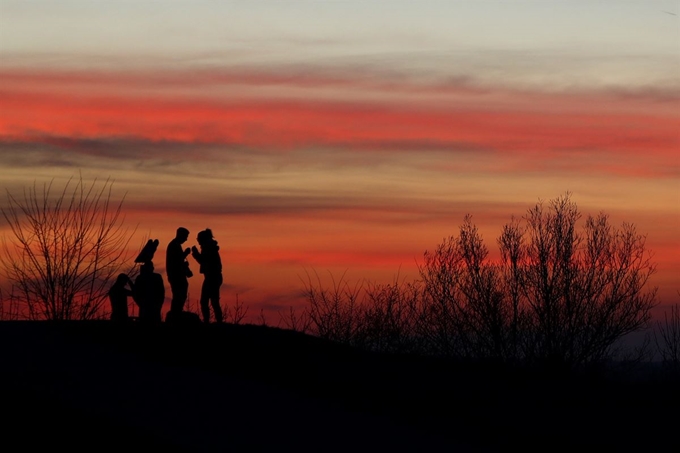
[(149, 293), (118, 296), (211, 268)]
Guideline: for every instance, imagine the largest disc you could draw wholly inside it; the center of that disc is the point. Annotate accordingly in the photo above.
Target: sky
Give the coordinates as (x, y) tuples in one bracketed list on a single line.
[(347, 137)]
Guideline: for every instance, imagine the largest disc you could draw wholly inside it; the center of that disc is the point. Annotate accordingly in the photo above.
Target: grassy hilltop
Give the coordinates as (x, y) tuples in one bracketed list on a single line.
[(94, 384)]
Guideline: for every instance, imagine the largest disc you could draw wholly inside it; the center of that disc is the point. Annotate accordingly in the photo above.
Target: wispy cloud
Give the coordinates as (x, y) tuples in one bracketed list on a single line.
[(61, 112)]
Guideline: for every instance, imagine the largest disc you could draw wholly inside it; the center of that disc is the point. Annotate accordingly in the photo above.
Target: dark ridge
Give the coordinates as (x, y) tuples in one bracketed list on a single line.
[(97, 385)]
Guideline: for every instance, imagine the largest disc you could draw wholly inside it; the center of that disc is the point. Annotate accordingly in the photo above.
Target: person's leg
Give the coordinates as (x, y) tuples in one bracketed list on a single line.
[(205, 297), (183, 293), (215, 299), (174, 288), (118, 309), (217, 309), (157, 313), (180, 288)]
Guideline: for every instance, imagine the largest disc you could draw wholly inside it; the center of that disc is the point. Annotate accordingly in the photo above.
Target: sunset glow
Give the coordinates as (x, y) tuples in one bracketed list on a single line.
[(346, 136)]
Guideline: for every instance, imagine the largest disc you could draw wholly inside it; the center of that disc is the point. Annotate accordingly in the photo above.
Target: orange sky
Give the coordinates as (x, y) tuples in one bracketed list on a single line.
[(352, 146), (308, 181)]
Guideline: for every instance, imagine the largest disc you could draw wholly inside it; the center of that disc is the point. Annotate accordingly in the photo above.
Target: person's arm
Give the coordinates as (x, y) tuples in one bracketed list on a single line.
[(196, 254)]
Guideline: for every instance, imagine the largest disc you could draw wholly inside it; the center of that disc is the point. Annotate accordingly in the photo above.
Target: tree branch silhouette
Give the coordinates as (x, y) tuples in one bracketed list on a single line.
[(65, 248)]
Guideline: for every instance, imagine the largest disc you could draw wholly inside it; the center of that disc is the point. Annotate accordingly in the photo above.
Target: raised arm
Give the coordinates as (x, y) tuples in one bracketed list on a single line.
[(196, 254)]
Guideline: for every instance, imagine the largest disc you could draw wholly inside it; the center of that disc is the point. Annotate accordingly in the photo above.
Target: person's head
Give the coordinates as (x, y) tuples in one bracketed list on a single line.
[(122, 279), (204, 237), (182, 234)]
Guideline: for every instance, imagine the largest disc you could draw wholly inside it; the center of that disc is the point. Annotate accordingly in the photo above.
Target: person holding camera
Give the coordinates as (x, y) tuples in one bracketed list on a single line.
[(118, 296), (177, 269), (148, 292)]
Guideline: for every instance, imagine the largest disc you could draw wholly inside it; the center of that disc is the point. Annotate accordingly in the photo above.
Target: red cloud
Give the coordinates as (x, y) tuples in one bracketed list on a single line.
[(299, 123), (100, 106)]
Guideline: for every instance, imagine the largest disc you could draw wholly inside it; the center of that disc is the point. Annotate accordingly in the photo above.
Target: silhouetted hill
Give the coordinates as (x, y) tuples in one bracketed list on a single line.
[(96, 385)]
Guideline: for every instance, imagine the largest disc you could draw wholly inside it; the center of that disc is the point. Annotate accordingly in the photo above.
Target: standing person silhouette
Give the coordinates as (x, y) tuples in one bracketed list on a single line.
[(118, 296), (177, 268), (211, 268), (149, 293)]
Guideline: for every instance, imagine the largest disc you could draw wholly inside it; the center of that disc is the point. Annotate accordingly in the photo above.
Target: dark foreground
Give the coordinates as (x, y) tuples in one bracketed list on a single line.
[(98, 386)]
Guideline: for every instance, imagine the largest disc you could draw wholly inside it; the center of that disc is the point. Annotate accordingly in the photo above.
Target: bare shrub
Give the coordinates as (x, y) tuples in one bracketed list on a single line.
[(235, 314), (556, 295), (65, 249), (391, 317), (335, 313), (262, 318), (299, 321)]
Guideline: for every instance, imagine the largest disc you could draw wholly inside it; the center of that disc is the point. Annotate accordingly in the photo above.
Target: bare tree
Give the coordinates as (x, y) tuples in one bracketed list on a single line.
[(9, 306), (583, 290), (559, 294), (556, 294), (466, 312), (512, 245), (65, 248)]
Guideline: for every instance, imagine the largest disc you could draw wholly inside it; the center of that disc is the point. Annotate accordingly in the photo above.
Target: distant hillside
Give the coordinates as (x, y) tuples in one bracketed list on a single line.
[(90, 385)]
